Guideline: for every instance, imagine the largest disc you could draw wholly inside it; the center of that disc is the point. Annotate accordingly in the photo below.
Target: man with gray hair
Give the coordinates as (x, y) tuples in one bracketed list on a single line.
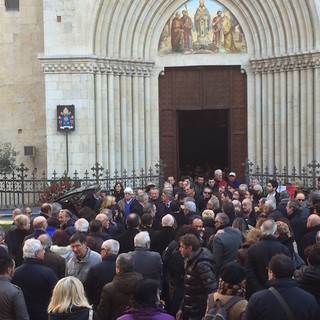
[(146, 262), (259, 255), (117, 294), (270, 211), (103, 272), (81, 225), (52, 260), (218, 178), (137, 206), (189, 211), (224, 245), (35, 280), (163, 237)]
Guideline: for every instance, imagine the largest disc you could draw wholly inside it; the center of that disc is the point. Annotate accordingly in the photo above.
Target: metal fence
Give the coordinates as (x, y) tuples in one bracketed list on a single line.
[(308, 175), (19, 188)]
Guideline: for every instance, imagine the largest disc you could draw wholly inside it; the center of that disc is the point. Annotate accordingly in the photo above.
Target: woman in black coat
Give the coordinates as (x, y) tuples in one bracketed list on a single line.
[(69, 301)]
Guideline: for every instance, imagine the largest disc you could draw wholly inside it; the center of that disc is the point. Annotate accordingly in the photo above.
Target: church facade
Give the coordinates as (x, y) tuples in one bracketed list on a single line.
[(109, 59)]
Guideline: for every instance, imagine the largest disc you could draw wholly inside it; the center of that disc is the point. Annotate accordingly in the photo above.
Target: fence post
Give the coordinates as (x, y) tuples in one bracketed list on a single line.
[(314, 166), (96, 171), (22, 169), (247, 164)]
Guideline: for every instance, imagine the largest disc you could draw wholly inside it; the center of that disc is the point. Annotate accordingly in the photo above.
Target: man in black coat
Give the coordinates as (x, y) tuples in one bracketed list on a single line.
[(163, 237), (264, 305), (52, 260), (126, 238), (103, 272), (92, 200), (35, 280), (309, 238), (259, 255), (199, 279), (298, 224)]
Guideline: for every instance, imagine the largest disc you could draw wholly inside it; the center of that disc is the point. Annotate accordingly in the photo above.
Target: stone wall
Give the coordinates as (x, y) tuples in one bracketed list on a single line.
[(22, 91)]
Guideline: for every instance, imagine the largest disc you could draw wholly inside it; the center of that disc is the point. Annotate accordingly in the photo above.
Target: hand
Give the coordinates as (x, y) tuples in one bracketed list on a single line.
[(179, 315)]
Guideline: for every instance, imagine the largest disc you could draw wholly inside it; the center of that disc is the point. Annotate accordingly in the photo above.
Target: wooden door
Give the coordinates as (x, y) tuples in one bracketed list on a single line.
[(203, 88)]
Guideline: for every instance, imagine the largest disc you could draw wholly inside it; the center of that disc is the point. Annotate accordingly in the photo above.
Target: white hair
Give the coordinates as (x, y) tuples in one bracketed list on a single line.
[(268, 227), (218, 171), (112, 246), (167, 221), (141, 239), (191, 206), (270, 204), (31, 247), (81, 225)]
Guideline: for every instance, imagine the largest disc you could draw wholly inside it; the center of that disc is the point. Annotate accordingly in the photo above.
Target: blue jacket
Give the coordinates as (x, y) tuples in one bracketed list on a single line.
[(263, 305)]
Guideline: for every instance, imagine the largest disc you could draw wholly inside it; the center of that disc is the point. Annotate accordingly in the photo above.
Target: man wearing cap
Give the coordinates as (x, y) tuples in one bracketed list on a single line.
[(232, 179)]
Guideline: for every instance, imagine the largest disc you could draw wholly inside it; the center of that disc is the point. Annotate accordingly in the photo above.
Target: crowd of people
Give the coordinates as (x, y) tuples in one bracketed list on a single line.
[(184, 250)]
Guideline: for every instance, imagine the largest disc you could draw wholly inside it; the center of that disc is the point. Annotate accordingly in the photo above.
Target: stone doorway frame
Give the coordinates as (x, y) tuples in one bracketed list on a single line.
[(203, 88)]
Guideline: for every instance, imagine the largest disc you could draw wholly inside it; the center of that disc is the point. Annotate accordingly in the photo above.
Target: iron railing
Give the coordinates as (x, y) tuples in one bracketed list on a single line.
[(19, 188), (308, 174)]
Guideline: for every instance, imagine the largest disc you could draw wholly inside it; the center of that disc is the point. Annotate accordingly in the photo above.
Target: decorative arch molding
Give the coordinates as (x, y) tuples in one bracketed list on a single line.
[(272, 28), (115, 66)]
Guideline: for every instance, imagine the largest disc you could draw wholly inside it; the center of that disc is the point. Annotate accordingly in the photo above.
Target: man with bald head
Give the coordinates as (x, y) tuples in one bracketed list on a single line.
[(309, 238), (52, 260), (104, 219), (39, 226)]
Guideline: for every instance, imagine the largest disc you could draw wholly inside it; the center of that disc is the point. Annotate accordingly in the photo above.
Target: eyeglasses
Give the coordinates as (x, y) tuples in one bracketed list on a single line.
[(300, 200), (207, 192)]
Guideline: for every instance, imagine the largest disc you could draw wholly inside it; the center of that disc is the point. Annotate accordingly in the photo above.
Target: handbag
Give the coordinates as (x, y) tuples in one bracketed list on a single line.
[(283, 303), (298, 262)]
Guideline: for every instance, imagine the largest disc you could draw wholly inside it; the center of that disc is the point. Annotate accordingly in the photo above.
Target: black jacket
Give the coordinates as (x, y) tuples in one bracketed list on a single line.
[(308, 279), (99, 275), (116, 295), (199, 281), (259, 255), (126, 239), (75, 314), (263, 305), (308, 239), (162, 239), (37, 283), (298, 225)]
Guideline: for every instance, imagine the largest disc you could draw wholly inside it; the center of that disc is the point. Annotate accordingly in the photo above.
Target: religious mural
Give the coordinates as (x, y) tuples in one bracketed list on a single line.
[(202, 26)]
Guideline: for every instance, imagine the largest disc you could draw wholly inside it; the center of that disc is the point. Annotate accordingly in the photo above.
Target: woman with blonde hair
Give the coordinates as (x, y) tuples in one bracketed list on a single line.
[(69, 301)]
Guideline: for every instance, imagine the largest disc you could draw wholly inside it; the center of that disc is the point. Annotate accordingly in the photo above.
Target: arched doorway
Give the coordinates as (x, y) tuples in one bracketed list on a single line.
[(216, 97)]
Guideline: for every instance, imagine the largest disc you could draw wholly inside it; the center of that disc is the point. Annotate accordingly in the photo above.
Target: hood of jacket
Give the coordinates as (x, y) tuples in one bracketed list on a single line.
[(200, 255), (126, 282), (146, 313)]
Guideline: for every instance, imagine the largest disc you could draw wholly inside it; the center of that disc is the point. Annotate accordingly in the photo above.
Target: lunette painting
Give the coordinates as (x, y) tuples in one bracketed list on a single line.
[(202, 27)]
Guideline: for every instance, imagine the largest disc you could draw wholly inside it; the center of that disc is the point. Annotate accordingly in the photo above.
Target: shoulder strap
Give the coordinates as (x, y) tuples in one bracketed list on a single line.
[(283, 303), (90, 314), (232, 301)]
